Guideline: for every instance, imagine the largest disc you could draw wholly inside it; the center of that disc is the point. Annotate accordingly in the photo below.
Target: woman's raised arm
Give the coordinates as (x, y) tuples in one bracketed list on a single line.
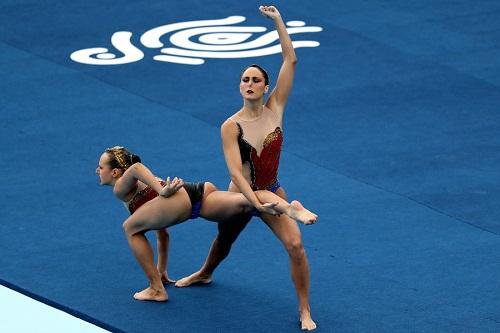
[(279, 96)]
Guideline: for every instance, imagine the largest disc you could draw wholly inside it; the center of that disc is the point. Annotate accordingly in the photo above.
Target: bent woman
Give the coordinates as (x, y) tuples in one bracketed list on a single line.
[(135, 185)]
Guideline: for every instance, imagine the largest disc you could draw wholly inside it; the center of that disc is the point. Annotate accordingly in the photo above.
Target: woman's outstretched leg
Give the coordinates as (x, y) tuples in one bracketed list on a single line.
[(222, 206), (294, 210)]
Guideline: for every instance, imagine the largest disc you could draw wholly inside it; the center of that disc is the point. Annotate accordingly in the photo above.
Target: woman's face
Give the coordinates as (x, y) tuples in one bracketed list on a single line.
[(252, 84), (104, 171)]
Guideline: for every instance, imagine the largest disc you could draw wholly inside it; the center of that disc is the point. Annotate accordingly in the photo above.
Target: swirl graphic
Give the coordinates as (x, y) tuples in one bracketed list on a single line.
[(152, 37), (216, 41), (194, 41), (121, 41)]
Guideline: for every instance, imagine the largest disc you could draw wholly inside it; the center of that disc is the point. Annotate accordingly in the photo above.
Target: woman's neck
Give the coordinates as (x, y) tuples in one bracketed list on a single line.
[(252, 109)]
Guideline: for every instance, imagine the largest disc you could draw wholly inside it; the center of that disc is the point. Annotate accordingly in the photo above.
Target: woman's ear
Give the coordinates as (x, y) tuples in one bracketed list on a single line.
[(116, 173), (266, 89)]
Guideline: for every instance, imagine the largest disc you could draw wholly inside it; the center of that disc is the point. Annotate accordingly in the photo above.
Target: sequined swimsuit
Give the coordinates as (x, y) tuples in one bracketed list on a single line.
[(141, 197), (194, 191), (264, 166)]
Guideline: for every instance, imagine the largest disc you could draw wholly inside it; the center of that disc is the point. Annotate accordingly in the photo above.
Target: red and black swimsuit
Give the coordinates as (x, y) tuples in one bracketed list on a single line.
[(263, 168), (194, 190), (141, 197)]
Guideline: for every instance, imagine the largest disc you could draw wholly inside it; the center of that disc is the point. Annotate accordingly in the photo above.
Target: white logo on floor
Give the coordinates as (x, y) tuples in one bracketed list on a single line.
[(216, 39)]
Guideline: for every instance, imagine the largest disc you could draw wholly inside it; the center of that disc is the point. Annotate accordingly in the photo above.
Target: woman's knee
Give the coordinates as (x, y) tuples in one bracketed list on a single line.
[(223, 247), (295, 248), (131, 226), (127, 229), (225, 241)]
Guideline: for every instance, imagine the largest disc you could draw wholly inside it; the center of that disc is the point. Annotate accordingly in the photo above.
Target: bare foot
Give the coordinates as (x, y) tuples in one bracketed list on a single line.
[(192, 279), (306, 322), (150, 294), (165, 279), (301, 214)]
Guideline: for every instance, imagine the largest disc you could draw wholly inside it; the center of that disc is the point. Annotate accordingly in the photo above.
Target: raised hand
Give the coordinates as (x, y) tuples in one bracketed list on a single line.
[(171, 186), (269, 11)]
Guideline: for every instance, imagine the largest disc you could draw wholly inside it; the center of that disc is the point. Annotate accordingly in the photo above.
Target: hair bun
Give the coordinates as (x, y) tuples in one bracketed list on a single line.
[(135, 158)]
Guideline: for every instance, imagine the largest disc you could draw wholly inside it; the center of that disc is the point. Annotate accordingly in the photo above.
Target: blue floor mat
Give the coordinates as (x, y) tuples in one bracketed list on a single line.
[(391, 136)]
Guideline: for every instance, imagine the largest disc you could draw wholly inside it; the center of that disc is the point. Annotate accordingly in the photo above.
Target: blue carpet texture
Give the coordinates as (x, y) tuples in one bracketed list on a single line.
[(392, 135)]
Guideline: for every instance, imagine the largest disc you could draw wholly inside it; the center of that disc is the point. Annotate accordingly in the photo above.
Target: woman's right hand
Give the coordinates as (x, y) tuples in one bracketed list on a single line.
[(171, 187)]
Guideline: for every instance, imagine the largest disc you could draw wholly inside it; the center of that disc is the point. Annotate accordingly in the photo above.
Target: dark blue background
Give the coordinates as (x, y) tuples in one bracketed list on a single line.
[(391, 136)]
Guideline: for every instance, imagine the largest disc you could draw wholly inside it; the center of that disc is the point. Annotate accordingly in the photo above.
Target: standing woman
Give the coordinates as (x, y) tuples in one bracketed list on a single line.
[(252, 139)]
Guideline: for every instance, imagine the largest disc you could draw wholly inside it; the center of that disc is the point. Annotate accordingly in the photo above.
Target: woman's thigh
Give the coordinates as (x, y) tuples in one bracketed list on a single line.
[(285, 228), (159, 213), (281, 193), (222, 206)]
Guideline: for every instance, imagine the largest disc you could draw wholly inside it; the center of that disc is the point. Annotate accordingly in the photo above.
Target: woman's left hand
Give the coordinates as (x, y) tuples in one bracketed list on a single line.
[(269, 11), (171, 187)]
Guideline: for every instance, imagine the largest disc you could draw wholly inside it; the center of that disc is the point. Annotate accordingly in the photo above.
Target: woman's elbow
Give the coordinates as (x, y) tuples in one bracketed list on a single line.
[(135, 166), (290, 59), (234, 178)]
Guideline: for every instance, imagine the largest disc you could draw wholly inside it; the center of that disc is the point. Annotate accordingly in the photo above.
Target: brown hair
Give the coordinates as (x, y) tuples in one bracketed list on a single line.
[(121, 158), (262, 70)]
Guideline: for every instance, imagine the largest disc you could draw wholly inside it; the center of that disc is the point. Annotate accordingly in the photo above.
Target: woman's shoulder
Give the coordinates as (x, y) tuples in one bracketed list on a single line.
[(230, 121), (126, 193), (274, 107), (273, 114), (230, 127)]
